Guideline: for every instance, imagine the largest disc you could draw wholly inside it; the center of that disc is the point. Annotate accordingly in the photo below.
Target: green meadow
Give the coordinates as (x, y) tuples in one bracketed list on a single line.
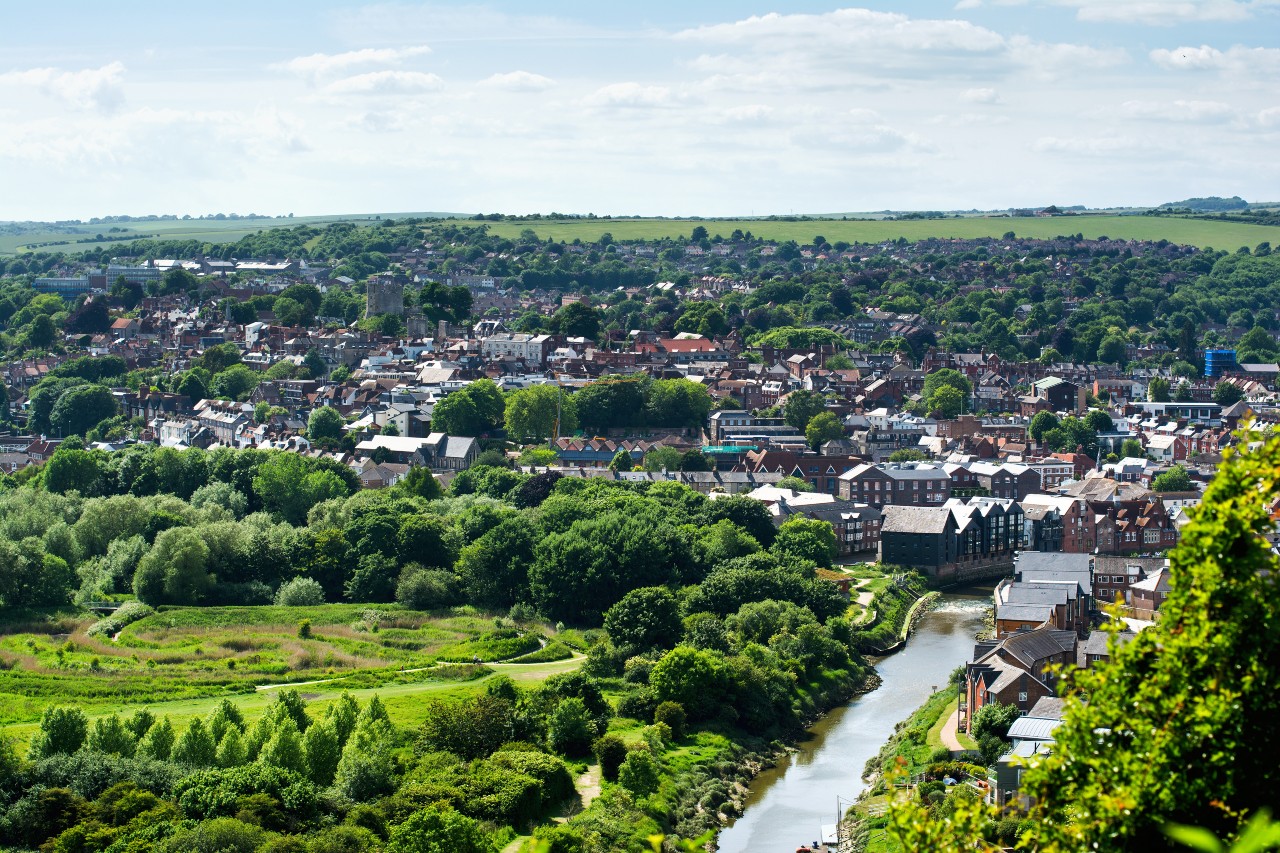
[(1195, 232), (64, 238), (181, 662)]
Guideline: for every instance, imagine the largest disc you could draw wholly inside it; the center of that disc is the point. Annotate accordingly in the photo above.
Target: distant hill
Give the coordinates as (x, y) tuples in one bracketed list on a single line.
[(1212, 204)]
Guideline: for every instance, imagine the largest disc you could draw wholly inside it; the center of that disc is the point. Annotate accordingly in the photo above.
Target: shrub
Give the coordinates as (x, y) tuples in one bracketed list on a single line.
[(426, 589), (639, 773), (671, 713), (550, 652), (569, 727), (125, 614), (300, 592), (610, 751), (304, 629)]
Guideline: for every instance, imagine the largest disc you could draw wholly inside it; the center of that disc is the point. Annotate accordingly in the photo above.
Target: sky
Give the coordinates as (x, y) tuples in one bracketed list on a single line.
[(691, 108)]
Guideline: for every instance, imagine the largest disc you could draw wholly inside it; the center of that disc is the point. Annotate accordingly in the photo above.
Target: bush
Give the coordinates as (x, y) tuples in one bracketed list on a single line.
[(550, 652), (639, 773), (426, 589), (304, 629), (671, 713), (569, 727), (639, 704), (300, 592), (125, 614), (610, 751)]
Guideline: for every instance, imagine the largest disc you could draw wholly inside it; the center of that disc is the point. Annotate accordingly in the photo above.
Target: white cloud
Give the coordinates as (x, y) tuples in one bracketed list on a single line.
[(1094, 146), (981, 96), (1237, 59), (1269, 117), (1164, 13), (630, 94), (1192, 112), (518, 81), (93, 88), (321, 65), (862, 46), (748, 113), (385, 83), (1159, 12), (881, 32)]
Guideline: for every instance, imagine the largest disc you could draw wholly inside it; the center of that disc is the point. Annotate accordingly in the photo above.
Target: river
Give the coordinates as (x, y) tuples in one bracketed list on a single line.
[(789, 804)]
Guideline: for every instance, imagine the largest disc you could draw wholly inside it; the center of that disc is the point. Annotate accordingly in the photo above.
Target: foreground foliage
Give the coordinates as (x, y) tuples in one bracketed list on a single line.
[(1179, 728)]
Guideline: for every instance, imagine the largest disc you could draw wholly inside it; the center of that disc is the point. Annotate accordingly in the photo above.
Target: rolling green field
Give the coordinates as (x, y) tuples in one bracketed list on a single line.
[(1195, 232), (182, 662), (205, 230)]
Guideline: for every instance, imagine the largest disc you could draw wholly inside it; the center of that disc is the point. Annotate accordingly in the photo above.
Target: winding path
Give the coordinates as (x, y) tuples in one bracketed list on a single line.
[(948, 733)]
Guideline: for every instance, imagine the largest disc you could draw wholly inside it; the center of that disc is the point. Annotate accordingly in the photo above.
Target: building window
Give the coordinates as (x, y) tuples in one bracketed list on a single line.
[(1022, 696)]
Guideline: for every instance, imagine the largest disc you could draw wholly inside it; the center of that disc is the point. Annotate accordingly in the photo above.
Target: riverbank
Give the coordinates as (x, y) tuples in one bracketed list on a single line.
[(789, 803)]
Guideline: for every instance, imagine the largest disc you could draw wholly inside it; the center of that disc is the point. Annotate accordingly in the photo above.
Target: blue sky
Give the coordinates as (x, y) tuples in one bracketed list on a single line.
[(654, 108)]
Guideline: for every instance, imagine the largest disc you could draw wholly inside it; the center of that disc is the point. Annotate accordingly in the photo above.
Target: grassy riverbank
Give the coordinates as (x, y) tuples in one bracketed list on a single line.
[(911, 764), (898, 597)]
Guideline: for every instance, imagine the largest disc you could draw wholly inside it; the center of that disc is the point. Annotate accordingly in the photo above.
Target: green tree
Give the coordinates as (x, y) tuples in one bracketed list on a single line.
[(321, 752), (640, 773), (1227, 393), (576, 320), (110, 735), (1042, 424), (659, 459), (62, 732), (70, 469), (325, 424), (807, 539), (1175, 479), (236, 382), (531, 413), (285, 749), (1131, 448), (1112, 349), (195, 746), (946, 377), (622, 461), (610, 750), (471, 410), (677, 403), (908, 454), (174, 571), (994, 719), (290, 484), (696, 679), (801, 407), (1099, 421), (947, 402), (1158, 390), (78, 410), (438, 830), (40, 333), (823, 427), (569, 727), (471, 728), (231, 749), (643, 618), (158, 741), (610, 402)]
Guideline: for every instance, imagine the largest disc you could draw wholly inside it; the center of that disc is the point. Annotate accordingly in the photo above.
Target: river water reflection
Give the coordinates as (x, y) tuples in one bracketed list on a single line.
[(789, 804)]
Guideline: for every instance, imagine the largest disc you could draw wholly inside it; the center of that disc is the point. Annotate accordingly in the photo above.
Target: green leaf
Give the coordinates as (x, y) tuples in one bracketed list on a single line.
[(1195, 837)]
